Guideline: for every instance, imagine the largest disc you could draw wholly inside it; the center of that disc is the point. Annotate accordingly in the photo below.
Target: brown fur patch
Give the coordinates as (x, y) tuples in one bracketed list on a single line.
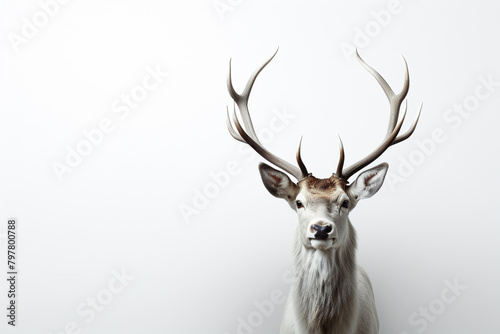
[(368, 178), (323, 186), (326, 189), (276, 179)]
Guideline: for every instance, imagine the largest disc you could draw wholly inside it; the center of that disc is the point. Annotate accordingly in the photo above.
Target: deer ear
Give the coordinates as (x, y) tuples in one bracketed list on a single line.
[(278, 183), (369, 182)]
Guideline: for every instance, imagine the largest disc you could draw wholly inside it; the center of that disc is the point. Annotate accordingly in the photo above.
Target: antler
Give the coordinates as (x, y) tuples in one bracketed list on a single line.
[(391, 137), (249, 136)]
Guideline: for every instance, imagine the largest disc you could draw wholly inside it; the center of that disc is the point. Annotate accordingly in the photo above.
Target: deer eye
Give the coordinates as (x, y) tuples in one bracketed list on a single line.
[(299, 204), (345, 204)]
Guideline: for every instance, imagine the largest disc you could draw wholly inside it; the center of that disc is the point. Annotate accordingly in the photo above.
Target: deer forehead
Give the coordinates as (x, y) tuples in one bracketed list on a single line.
[(322, 189)]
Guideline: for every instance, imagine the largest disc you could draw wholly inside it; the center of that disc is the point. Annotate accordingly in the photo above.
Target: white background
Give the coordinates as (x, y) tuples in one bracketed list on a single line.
[(121, 207)]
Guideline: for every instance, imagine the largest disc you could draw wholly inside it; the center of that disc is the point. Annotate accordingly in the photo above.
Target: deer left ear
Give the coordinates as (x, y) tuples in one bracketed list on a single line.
[(369, 182), (278, 183)]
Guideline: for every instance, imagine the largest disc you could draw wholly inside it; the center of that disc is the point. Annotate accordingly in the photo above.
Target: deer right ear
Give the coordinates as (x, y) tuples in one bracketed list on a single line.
[(369, 182), (278, 183)]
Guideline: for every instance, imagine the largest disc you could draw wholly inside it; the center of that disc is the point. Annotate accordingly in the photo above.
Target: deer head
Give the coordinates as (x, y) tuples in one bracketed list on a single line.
[(322, 205)]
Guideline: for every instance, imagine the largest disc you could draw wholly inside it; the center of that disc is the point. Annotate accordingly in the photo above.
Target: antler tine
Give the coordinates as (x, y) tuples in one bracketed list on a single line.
[(233, 133), (286, 166), (242, 99), (353, 169), (410, 130), (395, 100), (340, 165), (303, 168)]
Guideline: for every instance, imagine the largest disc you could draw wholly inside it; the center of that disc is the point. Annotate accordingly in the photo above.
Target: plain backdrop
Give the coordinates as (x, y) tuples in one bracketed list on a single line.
[(167, 198)]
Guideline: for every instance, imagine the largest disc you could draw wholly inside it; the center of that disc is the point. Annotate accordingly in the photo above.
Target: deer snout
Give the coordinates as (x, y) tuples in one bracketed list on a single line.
[(322, 231)]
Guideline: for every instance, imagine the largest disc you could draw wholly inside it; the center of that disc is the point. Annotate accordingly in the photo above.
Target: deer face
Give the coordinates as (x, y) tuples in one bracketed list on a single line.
[(322, 205)]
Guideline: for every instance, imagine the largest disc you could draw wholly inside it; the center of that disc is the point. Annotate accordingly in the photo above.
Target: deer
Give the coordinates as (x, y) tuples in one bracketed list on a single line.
[(330, 292)]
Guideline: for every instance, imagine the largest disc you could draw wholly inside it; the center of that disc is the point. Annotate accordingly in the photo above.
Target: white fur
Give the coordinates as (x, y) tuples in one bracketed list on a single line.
[(330, 293)]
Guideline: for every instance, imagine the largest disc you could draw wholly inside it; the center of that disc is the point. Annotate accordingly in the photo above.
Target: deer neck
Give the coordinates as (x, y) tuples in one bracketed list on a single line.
[(326, 284)]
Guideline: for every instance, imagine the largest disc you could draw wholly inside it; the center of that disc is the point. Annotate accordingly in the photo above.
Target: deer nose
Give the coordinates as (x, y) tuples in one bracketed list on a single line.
[(322, 231)]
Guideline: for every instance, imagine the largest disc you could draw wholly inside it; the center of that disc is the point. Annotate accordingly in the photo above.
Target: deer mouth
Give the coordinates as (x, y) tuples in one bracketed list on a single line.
[(322, 239), (322, 244)]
